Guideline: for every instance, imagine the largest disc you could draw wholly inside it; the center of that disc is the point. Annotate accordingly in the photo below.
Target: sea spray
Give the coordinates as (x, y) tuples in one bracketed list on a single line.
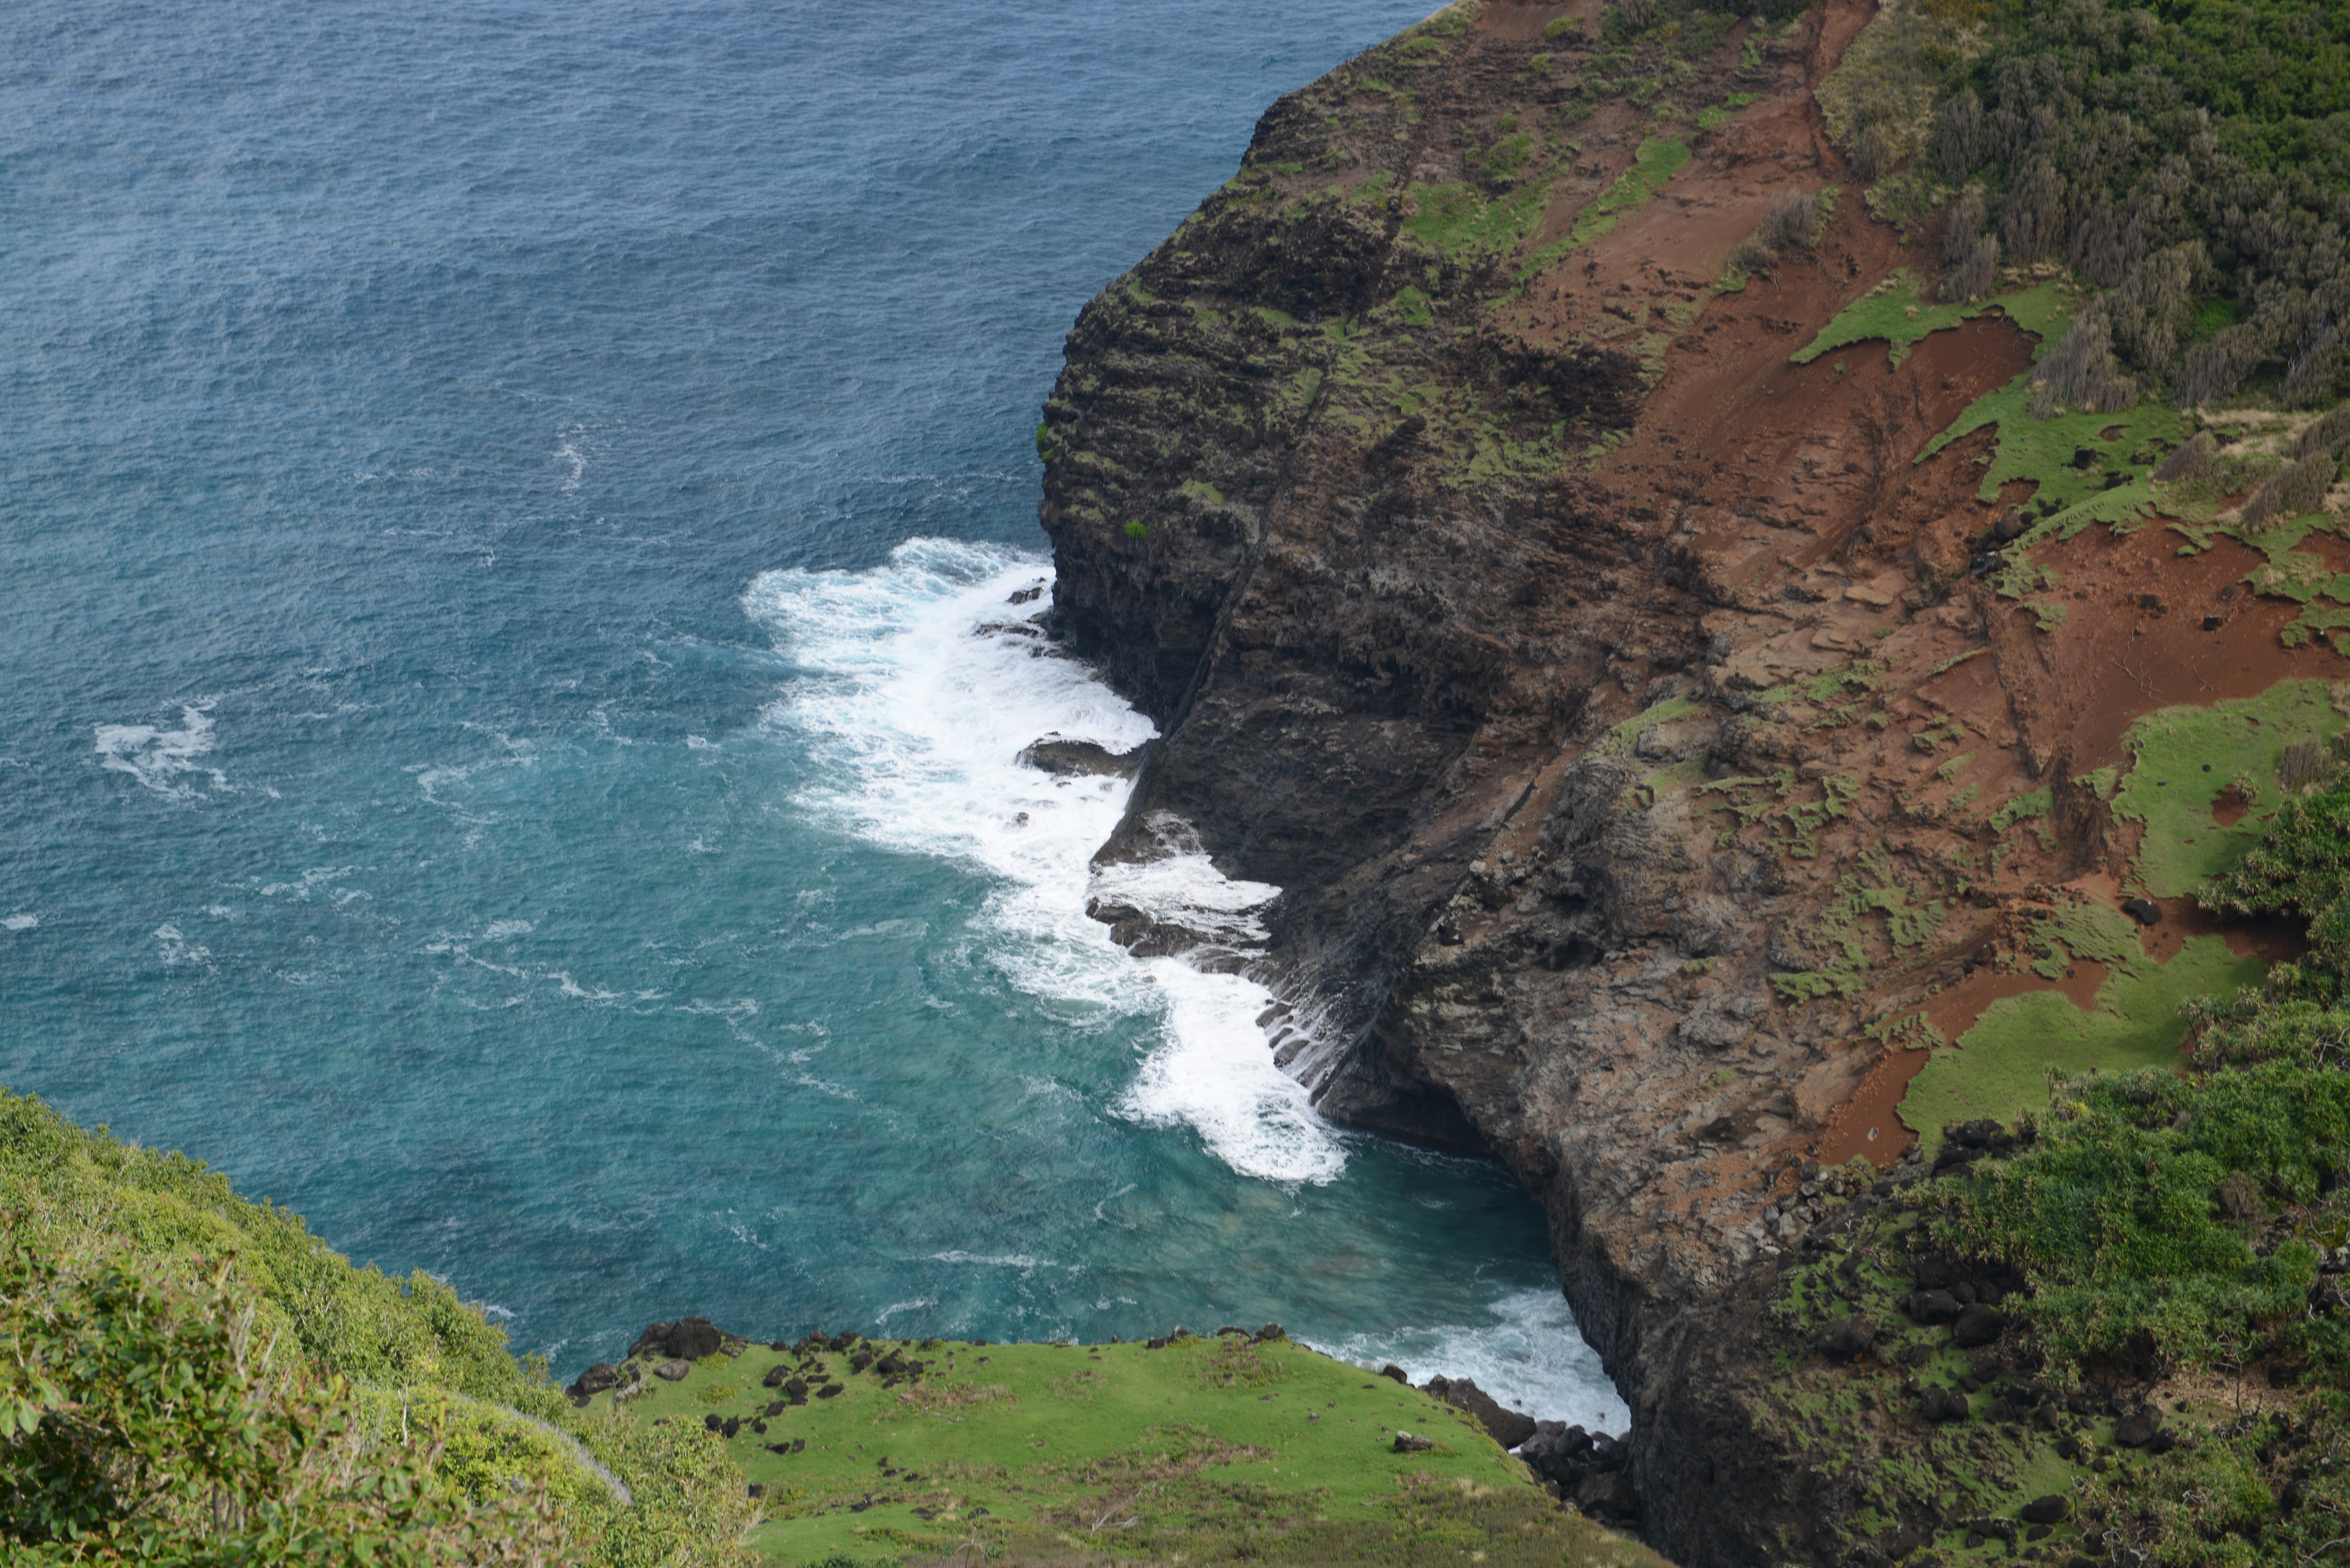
[(916, 684)]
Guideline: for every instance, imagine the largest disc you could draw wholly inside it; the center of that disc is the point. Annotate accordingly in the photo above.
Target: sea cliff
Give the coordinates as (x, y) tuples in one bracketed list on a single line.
[(1598, 526)]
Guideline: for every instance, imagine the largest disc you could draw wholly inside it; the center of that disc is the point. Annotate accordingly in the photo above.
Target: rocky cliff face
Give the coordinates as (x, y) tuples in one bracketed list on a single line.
[(1608, 692)]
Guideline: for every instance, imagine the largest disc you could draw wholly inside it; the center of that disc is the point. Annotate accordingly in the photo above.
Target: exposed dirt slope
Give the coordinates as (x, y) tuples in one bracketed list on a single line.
[(1614, 698)]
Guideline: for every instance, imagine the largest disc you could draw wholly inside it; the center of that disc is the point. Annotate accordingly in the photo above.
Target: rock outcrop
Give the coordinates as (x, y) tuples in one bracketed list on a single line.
[(1607, 693)]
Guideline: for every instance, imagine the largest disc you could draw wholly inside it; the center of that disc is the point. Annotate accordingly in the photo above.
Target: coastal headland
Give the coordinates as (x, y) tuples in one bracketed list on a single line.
[(1744, 572)]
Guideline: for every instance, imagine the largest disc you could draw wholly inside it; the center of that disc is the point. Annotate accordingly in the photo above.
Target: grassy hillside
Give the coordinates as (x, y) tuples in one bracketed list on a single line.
[(1216, 1447), (186, 1377), (189, 1377)]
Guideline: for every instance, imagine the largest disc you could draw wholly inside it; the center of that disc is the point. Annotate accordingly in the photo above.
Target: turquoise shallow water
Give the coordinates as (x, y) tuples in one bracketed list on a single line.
[(501, 754)]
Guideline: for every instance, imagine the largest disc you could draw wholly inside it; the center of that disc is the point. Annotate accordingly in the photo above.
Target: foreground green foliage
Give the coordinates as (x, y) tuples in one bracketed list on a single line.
[(188, 1378)]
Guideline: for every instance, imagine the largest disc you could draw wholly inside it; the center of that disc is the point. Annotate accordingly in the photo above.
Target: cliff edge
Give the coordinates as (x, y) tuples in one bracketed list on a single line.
[(1586, 508)]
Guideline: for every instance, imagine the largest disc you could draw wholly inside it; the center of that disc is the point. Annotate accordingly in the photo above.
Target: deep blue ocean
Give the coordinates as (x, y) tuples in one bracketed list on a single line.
[(502, 752)]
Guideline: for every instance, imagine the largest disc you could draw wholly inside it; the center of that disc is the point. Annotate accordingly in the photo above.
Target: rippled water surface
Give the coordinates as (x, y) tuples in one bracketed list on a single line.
[(502, 754)]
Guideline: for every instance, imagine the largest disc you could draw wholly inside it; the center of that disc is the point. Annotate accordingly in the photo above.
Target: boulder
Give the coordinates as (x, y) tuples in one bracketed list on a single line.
[(1931, 1306), (673, 1371), (2136, 1429), (831, 1391), (2144, 911), (1977, 1325), (1609, 1496), (733, 1424), (776, 1375), (1939, 1404), (2053, 1509), (1078, 759), (594, 1381), (1406, 1443), (1845, 1339), (1508, 1428), (1397, 1373), (1933, 1273), (688, 1339)]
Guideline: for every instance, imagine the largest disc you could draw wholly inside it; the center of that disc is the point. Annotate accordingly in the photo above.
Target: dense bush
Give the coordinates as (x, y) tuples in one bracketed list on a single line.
[(2181, 153), (188, 1378), (1792, 222)]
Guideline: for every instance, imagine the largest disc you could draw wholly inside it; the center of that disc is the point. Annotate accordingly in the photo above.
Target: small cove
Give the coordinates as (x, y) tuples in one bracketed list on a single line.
[(501, 498)]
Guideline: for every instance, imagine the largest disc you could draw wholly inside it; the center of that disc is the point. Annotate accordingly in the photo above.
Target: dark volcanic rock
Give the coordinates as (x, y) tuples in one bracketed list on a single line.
[(1976, 1326), (594, 1381), (1451, 677), (673, 1371), (688, 1339), (1508, 1428), (1079, 759), (2136, 1429), (1406, 1443), (2053, 1509), (1845, 1339), (1609, 1496), (1930, 1307)]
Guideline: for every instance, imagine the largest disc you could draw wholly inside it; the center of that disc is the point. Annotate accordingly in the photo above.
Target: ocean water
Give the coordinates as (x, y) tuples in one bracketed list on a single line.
[(510, 512)]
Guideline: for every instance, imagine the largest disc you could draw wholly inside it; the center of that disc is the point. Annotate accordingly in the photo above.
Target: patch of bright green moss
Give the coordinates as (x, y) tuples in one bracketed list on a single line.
[(1653, 164), (2187, 757), (2000, 1067)]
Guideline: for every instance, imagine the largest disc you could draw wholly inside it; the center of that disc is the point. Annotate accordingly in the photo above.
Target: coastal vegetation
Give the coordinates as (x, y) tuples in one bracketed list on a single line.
[(189, 1377)]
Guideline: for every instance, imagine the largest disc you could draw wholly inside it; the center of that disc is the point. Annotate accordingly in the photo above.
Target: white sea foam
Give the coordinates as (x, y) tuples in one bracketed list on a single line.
[(20, 922), (920, 684), (1529, 1358), (160, 759)]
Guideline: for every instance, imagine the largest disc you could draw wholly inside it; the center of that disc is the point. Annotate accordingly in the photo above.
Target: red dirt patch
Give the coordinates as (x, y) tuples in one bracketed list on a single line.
[(1867, 1123), (2116, 658)]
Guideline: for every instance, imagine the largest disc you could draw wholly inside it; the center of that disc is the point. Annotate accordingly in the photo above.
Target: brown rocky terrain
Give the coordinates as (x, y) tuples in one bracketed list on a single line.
[(1576, 663)]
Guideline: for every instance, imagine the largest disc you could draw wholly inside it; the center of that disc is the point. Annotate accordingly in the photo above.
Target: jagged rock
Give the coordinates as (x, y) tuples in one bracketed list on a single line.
[(1609, 1496), (1078, 759), (688, 1339), (1508, 1427)]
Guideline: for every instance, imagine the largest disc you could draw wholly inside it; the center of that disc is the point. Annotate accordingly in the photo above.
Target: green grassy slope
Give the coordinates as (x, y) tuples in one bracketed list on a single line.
[(145, 1307), (393, 1421), (1204, 1438)]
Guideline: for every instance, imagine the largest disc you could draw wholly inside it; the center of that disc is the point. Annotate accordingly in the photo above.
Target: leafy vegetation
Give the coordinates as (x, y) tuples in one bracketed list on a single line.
[(2000, 1067), (2191, 760), (188, 1378), (2188, 158)]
